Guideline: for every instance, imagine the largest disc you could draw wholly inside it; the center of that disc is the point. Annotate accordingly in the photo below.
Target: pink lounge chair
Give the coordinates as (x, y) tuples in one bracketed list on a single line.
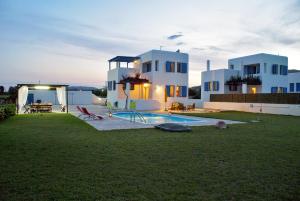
[(90, 115)]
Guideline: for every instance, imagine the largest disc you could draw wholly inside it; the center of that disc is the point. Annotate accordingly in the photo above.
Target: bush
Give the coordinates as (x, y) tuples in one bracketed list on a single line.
[(7, 111)]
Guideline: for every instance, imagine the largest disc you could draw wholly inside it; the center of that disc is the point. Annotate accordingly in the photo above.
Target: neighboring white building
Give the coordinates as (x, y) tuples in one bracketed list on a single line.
[(272, 71), (294, 82), (167, 73)]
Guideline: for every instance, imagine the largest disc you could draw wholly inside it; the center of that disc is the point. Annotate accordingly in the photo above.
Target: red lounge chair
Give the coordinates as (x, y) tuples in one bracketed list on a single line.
[(91, 115)]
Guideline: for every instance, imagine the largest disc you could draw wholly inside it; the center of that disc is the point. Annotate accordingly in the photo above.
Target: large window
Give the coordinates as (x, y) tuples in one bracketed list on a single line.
[(170, 90), (275, 69), (170, 66), (211, 86), (181, 67), (146, 67), (283, 70)]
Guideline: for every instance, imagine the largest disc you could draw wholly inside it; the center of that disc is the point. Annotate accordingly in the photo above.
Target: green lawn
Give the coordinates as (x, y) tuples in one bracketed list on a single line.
[(59, 157)]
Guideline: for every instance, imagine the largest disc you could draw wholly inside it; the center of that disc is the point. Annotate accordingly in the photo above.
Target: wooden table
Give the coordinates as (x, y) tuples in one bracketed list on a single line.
[(40, 107)]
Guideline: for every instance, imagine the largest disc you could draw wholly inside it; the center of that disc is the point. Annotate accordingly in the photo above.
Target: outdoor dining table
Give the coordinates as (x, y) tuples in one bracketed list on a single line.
[(40, 107)]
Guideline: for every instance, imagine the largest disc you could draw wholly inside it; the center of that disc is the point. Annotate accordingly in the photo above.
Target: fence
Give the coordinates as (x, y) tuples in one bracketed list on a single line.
[(275, 98)]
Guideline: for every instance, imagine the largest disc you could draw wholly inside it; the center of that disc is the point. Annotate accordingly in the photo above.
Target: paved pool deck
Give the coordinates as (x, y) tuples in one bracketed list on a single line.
[(114, 123)]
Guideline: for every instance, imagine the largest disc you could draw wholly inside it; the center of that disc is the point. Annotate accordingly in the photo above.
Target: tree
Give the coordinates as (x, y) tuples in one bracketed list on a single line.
[(100, 92), (1, 89), (132, 81)]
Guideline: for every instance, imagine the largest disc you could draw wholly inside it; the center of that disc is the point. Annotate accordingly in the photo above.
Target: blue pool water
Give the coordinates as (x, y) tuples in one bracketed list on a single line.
[(153, 118)]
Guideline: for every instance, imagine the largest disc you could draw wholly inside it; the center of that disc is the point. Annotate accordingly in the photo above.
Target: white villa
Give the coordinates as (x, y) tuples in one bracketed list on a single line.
[(162, 78), (261, 73)]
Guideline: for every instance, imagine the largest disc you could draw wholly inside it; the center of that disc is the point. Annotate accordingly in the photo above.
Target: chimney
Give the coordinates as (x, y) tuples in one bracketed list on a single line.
[(208, 65)]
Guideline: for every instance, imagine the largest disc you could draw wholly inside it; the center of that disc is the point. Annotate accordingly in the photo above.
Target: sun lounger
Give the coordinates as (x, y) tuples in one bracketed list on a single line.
[(91, 115)]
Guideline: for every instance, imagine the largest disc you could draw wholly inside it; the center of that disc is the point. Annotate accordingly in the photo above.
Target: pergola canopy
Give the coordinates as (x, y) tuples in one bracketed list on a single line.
[(126, 59), (61, 90)]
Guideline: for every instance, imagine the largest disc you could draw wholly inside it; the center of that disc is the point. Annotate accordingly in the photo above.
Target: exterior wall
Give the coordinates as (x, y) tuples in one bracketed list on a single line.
[(161, 78), (265, 60), (284, 109), (293, 78), (74, 97), (116, 75), (220, 75)]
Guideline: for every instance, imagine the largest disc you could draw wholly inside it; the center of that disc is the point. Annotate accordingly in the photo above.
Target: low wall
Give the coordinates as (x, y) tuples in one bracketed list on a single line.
[(285, 109)]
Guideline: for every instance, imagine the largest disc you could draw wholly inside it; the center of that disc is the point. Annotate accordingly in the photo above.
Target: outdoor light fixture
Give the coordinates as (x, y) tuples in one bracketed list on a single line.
[(42, 87), (146, 84), (110, 114)]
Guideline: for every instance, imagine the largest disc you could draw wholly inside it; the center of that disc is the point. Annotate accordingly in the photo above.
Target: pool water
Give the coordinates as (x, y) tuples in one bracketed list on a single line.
[(154, 118)]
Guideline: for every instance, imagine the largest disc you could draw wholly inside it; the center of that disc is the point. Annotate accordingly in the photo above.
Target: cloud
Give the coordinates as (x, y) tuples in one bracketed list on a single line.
[(180, 43), (175, 36)]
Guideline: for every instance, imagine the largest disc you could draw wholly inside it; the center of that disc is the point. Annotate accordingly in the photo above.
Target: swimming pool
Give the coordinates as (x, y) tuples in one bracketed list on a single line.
[(154, 118)]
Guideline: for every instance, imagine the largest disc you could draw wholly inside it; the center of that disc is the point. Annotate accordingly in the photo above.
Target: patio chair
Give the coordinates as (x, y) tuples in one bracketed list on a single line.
[(27, 109), (191, 107), (80, 110), (91, 115)]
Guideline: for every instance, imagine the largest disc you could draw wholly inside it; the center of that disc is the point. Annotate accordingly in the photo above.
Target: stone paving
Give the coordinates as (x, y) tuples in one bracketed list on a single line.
[(114, 123)]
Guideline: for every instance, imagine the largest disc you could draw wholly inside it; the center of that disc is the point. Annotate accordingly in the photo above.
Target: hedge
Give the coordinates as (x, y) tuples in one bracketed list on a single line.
[(7, 110)]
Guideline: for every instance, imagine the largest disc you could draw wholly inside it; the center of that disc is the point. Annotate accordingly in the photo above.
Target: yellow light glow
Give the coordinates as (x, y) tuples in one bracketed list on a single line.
[(146, 85), (253, 89), (42, 87), (158, 89)]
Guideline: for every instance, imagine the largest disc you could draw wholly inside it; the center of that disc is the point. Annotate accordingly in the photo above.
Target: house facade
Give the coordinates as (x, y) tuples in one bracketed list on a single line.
[(152, 80), (259, 73)]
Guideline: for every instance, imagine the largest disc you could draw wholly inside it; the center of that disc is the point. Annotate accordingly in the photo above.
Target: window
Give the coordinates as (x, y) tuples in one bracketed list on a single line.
[(297, 87), (146, 67), (292, 87), (283, 70), (274, 89), (231, 66), (252, 69), (278, 89), (114, 85), (181, 67), (211, 86), (181, 91), (170, 89), (109, 85), (170, 66), (156, 65), (274, 69)]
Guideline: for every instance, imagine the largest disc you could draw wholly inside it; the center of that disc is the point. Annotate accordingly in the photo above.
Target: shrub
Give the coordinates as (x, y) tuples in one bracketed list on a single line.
[(7, 110)]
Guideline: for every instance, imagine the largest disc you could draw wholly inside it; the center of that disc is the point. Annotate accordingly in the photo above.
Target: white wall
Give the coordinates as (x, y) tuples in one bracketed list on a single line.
[(293, 78), (220, 75), (285, 109), (159, 79), (74, 97)]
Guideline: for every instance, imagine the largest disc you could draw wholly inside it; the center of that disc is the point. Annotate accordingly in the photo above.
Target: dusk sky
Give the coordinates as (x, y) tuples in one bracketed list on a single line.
[(71, 41)]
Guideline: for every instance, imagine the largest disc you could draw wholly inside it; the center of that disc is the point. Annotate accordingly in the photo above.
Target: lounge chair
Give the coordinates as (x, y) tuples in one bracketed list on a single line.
[(80, 110), (91, 115)]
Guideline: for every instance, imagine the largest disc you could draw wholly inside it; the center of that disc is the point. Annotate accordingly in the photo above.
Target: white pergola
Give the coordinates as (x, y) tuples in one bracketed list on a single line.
[(61, 90)]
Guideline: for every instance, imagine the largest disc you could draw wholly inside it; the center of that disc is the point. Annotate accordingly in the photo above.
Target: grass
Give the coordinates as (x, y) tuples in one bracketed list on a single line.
[(59, 157)]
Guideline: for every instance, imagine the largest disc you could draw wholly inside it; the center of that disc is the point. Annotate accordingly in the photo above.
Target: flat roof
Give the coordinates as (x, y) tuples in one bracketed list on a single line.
[(50, 85), (123, 59)]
